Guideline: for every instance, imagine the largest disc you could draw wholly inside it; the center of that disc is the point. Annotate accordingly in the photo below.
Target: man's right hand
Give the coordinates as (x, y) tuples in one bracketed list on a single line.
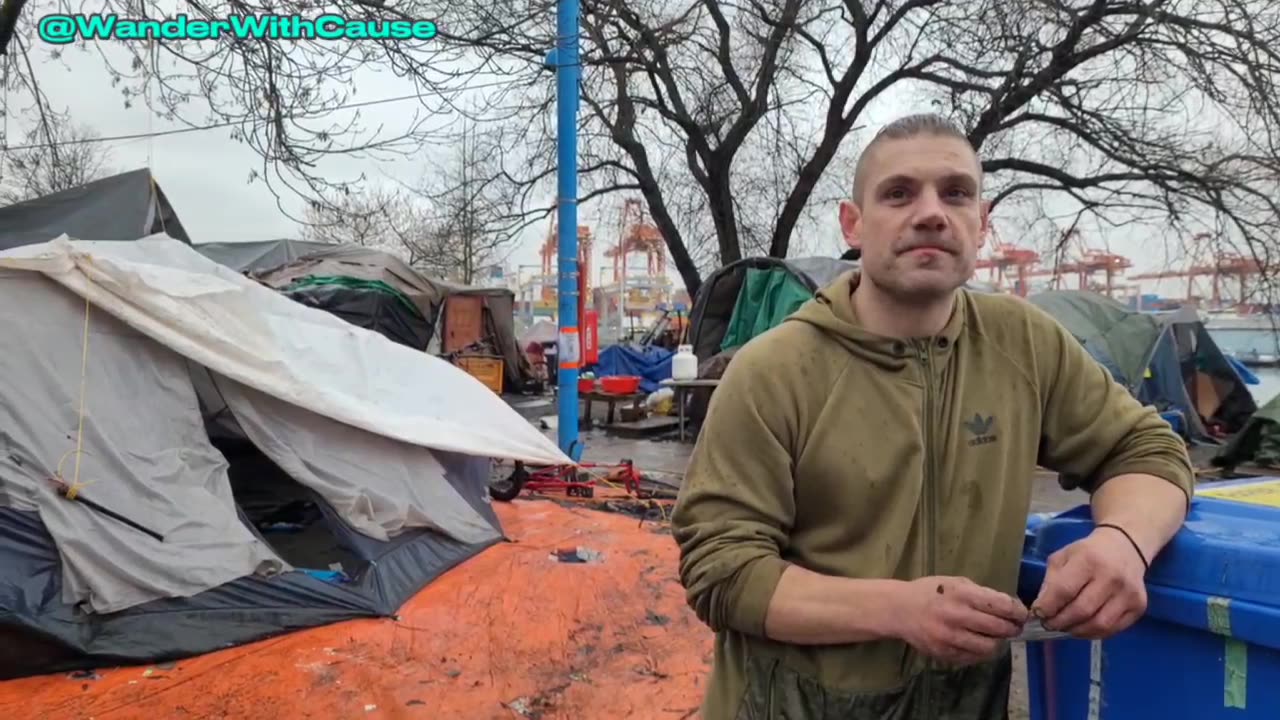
[(955, 620)]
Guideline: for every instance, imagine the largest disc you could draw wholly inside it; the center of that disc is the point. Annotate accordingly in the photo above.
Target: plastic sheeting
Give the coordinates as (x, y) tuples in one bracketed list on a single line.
[(1258, 443), (766, 299), (252, 334), (718, 296), (650, 363), (510, 634), (258, 255), (428, 294), (124, 207), (383, 311)]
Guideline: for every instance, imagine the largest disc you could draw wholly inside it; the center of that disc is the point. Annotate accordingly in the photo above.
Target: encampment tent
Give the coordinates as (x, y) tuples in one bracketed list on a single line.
[(121, 207), (744, 299), (259, 255), (747, 297), (361, 476), (1258, 444), (1167, 360), (379, 291)]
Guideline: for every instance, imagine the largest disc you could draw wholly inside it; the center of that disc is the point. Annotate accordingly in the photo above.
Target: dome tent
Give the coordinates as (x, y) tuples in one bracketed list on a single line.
[(1167, 360), (368, 475)]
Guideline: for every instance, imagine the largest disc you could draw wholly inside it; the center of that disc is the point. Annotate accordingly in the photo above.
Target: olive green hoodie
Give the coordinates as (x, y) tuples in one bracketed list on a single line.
[(860, 456)]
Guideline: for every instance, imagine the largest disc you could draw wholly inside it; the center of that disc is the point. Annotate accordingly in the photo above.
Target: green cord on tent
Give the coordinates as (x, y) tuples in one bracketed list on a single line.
[(352, 283)]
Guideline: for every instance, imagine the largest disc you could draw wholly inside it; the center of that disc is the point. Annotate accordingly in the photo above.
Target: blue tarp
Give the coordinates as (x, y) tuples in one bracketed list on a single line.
[(650, 362), (1243, 371)]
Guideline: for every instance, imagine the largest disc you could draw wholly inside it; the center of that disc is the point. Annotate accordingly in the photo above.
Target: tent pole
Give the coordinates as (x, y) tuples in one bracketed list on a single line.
[(570, 350)]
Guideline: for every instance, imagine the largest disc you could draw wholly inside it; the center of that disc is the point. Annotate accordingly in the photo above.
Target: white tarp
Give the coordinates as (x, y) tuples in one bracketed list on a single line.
[(255, 336), (379, 486)]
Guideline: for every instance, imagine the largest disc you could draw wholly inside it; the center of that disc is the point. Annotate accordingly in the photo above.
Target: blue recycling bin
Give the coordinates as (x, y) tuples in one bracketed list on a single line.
[(1209, 645)]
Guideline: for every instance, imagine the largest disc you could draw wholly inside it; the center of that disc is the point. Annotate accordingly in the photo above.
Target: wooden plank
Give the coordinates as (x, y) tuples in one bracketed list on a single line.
[(463, 321), (653, 425), (699, 383)]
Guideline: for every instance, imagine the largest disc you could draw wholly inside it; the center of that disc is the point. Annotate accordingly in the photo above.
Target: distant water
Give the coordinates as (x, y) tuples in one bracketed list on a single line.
[(1268, 385), (1245, 342)]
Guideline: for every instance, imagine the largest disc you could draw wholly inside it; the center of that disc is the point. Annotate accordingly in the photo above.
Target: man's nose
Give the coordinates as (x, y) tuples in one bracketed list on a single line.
[(929, 213)]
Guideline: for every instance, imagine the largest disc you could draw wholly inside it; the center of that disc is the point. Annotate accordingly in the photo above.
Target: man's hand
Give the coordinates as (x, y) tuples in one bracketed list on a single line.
[(955, 620), (1094, 587)]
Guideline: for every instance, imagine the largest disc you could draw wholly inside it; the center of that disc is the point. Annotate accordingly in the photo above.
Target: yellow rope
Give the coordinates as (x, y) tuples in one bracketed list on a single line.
[(75, 485), (84, 381)]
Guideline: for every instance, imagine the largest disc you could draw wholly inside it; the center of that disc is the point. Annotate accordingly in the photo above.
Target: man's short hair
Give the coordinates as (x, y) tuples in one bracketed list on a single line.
[(905, 128)]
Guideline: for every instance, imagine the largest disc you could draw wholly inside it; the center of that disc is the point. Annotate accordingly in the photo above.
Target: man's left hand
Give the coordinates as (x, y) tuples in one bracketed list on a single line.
[(1094, 587)]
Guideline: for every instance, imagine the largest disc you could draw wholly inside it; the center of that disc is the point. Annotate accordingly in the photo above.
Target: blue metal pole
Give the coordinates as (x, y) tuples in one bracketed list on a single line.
[(570, 351)]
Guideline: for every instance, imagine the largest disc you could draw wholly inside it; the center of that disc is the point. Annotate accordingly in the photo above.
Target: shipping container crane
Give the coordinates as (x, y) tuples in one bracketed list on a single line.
[(1004, 257), (1215, 266), (548, 253), (1087, 262), (636, 235), (1108, 263)]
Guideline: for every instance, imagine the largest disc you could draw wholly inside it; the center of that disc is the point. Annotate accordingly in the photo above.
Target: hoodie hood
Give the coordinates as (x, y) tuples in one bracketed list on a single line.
[(831, 310)]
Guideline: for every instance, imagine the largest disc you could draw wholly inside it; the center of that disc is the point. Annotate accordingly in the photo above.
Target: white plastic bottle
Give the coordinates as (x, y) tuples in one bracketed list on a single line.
[(684, 366)]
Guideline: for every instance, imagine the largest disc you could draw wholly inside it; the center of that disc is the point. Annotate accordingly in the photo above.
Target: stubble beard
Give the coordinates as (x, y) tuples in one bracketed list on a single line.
[(930, 285)]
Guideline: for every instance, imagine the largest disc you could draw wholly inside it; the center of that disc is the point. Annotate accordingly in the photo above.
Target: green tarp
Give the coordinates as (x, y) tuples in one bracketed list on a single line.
[(766, 299), (1120, 338), (352, 283), (1258, 443)]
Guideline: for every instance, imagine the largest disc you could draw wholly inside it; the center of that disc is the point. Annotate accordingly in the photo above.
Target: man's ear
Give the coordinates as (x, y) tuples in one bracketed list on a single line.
[(850, 223)]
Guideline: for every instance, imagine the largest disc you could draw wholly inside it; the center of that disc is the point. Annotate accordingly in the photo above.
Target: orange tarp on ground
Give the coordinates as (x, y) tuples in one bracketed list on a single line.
[(511, 633)]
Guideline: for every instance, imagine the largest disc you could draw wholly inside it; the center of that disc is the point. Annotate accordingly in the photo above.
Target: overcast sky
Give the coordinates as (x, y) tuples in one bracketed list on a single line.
[(205, 174)]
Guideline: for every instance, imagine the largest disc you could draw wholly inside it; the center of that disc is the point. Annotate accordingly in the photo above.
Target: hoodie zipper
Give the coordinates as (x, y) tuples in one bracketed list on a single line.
[(930, 497)]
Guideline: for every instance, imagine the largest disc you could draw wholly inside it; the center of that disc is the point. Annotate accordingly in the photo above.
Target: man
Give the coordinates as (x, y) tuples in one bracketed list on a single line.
[(852, 518)]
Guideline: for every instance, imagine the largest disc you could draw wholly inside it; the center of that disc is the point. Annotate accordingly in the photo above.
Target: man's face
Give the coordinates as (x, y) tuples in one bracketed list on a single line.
[(920, 221)]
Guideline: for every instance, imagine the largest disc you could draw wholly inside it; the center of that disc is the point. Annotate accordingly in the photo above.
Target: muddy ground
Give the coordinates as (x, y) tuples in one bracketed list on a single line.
[(666, 459)]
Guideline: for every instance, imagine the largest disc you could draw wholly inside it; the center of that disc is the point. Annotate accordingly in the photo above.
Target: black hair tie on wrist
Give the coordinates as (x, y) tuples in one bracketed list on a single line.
[(1146, 565)]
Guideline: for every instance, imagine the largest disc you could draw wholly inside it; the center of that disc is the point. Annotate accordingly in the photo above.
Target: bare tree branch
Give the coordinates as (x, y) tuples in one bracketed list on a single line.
[(736, 120), (57, 155)]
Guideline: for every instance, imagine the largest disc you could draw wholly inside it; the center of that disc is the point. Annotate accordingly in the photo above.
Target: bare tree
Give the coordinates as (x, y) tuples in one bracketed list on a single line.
[(54, 156), (463, 221), (735, 119), (365, 218), (1112, 106)]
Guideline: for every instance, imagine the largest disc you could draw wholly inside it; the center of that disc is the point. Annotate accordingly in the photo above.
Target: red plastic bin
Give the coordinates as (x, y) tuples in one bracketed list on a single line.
[(620, 384)]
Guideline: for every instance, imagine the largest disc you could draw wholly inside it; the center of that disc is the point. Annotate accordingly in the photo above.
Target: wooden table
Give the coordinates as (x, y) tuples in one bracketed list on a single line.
[(612, 399), (681, 388)]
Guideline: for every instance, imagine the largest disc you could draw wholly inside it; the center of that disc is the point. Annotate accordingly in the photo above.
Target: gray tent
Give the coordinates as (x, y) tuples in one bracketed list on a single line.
[(259, 255), (129, 206), (195, 541)]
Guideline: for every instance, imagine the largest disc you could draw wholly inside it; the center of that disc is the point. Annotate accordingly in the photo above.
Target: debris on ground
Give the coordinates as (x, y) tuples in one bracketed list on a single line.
[(576, 555)]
